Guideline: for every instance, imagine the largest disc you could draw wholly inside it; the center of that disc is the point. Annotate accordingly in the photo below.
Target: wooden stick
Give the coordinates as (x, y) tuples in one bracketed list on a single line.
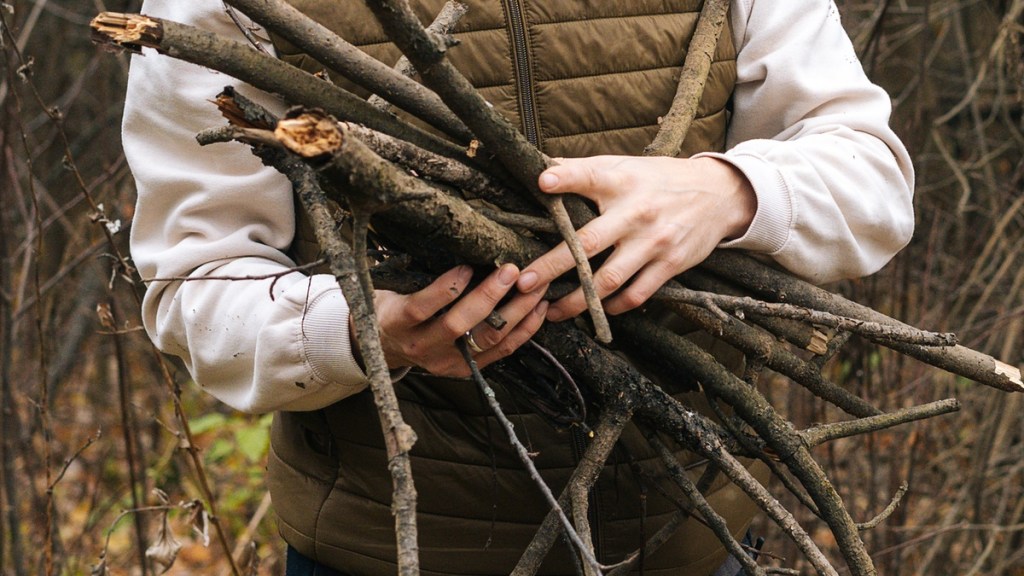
[(585, 550), (443, 24), (516, 154), (399, 437), (692, 79), (334, 52), (236, 59), (431, 220), (745, 304), (780, 436), (613, 419), (778, 285), (712, 519), (614, 378)]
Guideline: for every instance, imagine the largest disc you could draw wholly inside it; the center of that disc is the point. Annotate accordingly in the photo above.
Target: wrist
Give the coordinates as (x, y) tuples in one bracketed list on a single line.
[(354, 345), (738, 197)]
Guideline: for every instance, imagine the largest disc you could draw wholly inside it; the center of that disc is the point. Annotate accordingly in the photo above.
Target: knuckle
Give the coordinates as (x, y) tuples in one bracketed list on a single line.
[(486, 338), (674, 264), (666, 241), (608, 281), (493, 293), (416, 314), (451, 327), (590, 240), (646, 213), (589, 177), (408, 349), (506, 347), (634, 298)]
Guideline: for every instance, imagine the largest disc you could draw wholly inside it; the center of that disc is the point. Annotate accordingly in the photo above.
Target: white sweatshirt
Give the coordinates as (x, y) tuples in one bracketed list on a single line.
[(834, 189)]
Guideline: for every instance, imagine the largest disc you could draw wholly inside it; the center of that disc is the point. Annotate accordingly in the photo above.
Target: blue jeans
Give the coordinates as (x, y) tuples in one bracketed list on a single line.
[(298, 565)]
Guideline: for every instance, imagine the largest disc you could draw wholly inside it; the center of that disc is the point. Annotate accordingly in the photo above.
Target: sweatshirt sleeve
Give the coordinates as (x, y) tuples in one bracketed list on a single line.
[(834, 184), (217, 216)]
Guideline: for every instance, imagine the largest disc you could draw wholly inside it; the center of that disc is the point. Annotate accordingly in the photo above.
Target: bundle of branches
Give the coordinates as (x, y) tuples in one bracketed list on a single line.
[(474, 195)]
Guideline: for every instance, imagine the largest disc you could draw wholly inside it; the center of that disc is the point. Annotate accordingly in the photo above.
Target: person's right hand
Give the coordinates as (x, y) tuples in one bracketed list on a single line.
[(415, 331)]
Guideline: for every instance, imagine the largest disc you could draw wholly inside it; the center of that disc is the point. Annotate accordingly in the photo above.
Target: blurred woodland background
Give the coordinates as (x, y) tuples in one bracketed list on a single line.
[(94, 420)]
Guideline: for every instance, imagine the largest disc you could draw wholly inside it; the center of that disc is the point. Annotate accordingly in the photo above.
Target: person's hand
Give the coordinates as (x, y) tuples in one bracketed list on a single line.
[(415, 331), (662, 215)]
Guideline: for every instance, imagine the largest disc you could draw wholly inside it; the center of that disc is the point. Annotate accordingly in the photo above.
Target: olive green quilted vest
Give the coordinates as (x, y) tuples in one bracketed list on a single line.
[(580, 78)]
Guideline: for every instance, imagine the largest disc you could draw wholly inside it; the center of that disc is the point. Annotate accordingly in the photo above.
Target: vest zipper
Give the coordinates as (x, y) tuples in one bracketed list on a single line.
[(523, 72)]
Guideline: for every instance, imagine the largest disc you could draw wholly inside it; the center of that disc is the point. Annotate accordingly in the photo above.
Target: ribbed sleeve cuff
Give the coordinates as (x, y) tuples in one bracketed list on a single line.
[(327, 349), (770, 229)]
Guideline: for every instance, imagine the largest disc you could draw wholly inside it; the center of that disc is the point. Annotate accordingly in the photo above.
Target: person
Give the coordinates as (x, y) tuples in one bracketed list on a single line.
[(791, 158)]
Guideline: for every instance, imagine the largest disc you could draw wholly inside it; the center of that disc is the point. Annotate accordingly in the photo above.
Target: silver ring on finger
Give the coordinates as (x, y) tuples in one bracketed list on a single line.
[(472, 343)]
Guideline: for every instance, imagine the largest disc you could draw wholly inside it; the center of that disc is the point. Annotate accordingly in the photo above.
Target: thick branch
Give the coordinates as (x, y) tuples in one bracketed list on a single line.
[(258, 69), (780, 436), (696, 67), (399, 437), (521, 158), (334, 52), (762, 279), (443, 24), (427, 217), (614, 378)]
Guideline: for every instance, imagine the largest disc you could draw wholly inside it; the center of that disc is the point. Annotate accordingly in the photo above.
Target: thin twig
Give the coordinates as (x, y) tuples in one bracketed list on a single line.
[(712, 519), (524, 456), (743, 304), (614, 418), (828, 432), (888, 509)]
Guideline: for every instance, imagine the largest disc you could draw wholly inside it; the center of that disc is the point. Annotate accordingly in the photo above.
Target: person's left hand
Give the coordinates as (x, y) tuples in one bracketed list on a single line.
[(662, 215)]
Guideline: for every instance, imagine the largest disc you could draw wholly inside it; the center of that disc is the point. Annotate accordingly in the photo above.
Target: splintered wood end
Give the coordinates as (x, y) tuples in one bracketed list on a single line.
[(1010, 372), (130, 31), (819, 342), (309, 135), (230, 110)]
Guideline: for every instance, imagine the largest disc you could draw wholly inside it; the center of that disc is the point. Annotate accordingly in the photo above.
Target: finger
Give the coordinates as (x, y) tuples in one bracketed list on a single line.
[(422, 305), (519, 335), (474, 307), (644, 285), (599, 234), (648, 280), (623, 264), (518, 308)]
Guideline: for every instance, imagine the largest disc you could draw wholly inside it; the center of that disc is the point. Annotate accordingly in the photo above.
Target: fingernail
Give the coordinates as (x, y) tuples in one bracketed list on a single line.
[(465, 274), (527, 281), (541, 308), (548, 180), (507, 275)]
